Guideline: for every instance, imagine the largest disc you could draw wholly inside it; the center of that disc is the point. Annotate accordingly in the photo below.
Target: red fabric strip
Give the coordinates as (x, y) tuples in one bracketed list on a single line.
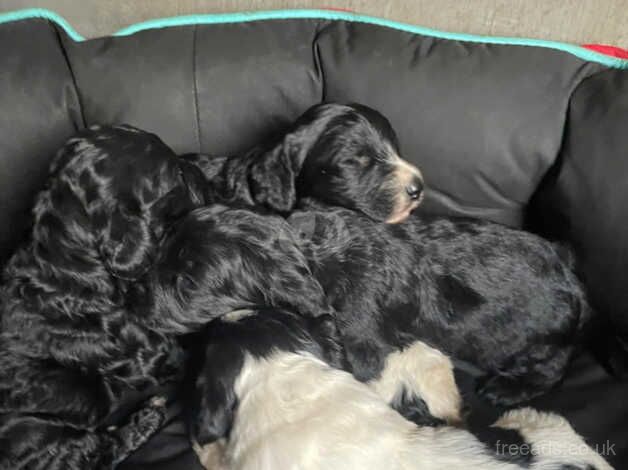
[(612, 51)]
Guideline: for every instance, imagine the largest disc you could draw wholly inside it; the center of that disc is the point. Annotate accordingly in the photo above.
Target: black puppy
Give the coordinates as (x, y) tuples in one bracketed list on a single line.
[(74, 358), (218, 260), (505, 301), (499, 299), (345, 155)]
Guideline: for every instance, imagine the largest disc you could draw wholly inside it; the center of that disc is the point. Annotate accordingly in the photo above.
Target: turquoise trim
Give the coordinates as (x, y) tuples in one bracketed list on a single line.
[(29, 13), (223, 18)]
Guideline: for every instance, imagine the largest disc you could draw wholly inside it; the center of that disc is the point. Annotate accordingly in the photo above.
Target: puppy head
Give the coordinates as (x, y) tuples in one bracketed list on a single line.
[(131, 187), (348, 156), (256, 334), (218, 259)]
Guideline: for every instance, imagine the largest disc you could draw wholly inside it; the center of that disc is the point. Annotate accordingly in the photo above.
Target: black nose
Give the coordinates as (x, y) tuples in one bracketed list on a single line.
[(415, 188)]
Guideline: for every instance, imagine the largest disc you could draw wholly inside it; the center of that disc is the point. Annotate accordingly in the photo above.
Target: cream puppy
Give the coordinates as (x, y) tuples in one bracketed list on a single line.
[(268, 397)]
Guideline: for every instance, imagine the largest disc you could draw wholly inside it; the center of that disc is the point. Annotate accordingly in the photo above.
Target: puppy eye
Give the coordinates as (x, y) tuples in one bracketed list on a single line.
[(184, 283)]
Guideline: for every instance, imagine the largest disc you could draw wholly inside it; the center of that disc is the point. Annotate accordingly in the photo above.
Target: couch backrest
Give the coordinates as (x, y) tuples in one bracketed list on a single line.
[(486, 122)]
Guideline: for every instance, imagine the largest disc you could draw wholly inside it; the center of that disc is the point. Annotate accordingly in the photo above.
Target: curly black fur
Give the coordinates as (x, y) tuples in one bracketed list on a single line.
[(347, 155), (502, 300), (220, 259), (73, 355)]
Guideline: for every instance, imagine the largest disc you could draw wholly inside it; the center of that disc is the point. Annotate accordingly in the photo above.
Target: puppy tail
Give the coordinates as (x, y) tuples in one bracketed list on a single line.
[(551, 441)]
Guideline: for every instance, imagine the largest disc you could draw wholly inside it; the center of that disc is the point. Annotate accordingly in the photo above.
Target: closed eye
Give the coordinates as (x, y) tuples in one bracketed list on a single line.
[(184, 284), (360, 160)]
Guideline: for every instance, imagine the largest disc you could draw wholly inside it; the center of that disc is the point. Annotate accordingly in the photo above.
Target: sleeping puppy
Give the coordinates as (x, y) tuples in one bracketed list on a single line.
[(499, 299), (504, 301), (269, 393), (218, 260), (74, 358), (344, 155)]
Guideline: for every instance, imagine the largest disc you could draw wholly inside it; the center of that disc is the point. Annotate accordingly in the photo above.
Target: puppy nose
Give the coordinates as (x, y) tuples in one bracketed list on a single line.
[(415, 188)]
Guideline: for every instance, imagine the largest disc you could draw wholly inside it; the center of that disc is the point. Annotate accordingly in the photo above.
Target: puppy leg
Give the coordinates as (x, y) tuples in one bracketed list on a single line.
[(425, 373), (553, 440), (526, 376)]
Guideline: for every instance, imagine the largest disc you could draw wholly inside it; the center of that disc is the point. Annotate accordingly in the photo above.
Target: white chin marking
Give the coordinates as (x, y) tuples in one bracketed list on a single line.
[(397, 218), (404, 214)]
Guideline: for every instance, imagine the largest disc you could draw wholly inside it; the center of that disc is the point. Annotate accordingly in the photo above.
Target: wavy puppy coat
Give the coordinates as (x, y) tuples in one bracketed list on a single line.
[(268, 389), (501, 299), (346, 155), (393, 288), (218, 259), (73, 357)]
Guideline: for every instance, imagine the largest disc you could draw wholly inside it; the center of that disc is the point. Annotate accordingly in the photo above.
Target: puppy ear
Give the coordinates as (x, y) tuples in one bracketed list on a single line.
[(274, 173), (272, 180), (214, 403), (127, 243), (130, 240), (131, 233), (212, 424), (325, 330)]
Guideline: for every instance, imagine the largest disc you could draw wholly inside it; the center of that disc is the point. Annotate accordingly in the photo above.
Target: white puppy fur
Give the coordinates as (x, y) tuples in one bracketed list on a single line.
[(426, 373), (295, 412)]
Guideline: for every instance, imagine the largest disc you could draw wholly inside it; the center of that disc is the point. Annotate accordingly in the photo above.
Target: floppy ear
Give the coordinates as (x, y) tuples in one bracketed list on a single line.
[(130, 240), (273, 174), (212, 424), (324, 329), (272, 180), (128, 243), (214, 402)]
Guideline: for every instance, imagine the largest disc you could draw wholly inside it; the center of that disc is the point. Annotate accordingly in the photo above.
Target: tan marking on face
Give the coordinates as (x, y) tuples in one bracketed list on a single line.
[(426, 373), (404, 173)]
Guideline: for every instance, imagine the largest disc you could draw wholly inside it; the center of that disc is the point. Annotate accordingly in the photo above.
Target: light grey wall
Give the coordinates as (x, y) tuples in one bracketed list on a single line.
[(578, 21)]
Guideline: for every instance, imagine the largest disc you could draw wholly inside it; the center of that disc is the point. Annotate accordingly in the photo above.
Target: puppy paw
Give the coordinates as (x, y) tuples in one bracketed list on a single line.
[(425, 373), (553, 440), (141, 426)]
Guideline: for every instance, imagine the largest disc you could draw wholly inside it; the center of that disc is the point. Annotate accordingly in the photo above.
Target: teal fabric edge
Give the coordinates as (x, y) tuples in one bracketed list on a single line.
[(30, 13), (240, 17)]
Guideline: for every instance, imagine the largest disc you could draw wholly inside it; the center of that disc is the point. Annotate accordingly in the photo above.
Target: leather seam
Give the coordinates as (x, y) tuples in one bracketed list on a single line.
[(68, 63), (195, 85)]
